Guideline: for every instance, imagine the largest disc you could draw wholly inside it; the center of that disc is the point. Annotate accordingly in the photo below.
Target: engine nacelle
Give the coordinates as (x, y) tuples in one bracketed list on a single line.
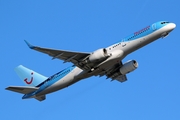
[(98, 55), (128, 67)]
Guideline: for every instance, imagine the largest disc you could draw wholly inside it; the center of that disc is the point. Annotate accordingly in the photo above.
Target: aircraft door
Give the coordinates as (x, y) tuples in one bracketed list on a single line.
[(123, 43), (46, 84), (154, 26)]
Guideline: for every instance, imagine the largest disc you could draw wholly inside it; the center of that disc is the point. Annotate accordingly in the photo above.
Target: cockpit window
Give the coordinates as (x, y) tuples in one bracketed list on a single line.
[(164, 22)]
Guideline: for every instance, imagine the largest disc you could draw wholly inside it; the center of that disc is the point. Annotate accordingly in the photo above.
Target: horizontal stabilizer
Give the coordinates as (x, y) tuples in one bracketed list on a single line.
[(22, 89)]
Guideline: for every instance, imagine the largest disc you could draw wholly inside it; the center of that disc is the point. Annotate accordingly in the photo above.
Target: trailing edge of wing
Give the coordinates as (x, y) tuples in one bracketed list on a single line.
[(22, 89)]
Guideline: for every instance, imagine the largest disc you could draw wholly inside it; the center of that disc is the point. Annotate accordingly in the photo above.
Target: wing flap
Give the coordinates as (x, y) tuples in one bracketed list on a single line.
[(22, 89)]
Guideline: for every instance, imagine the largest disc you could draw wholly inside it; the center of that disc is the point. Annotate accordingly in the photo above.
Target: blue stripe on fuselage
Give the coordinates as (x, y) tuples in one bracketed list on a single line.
[(50, 81)]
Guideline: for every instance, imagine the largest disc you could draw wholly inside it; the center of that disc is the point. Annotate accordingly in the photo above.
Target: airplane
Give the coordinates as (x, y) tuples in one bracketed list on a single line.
[(102, 62)]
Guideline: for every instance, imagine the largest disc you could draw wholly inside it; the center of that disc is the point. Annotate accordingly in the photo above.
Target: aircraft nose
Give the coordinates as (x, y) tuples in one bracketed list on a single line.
[(172, 26)]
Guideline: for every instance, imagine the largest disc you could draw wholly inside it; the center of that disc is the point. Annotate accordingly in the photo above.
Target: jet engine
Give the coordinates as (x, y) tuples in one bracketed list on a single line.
[(128, 67), (98, 55)]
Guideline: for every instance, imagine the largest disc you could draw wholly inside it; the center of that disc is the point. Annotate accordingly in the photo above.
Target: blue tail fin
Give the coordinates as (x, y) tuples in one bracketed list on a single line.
[(29, 77)]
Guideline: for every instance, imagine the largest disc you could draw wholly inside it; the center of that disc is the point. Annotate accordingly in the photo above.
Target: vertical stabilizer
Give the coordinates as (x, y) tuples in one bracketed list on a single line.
[(29, 77)]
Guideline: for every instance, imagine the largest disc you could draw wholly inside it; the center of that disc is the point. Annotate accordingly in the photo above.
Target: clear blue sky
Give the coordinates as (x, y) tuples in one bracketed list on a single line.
[(152, 92)]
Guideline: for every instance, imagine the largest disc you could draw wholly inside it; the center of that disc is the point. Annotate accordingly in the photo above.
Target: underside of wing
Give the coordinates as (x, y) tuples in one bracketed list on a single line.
[(22, 89), (121, 78), (40, 98), (113, 73), (66, 56)]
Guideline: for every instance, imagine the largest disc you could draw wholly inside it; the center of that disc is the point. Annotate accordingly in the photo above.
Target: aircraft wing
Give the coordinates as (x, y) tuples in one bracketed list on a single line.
[(113, 73), (66, 56), (40, 98), (120, 78), (22, 89)]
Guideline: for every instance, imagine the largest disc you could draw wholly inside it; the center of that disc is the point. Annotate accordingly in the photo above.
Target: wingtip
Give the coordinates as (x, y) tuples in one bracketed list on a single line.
[(6, 88), (29, 45)]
